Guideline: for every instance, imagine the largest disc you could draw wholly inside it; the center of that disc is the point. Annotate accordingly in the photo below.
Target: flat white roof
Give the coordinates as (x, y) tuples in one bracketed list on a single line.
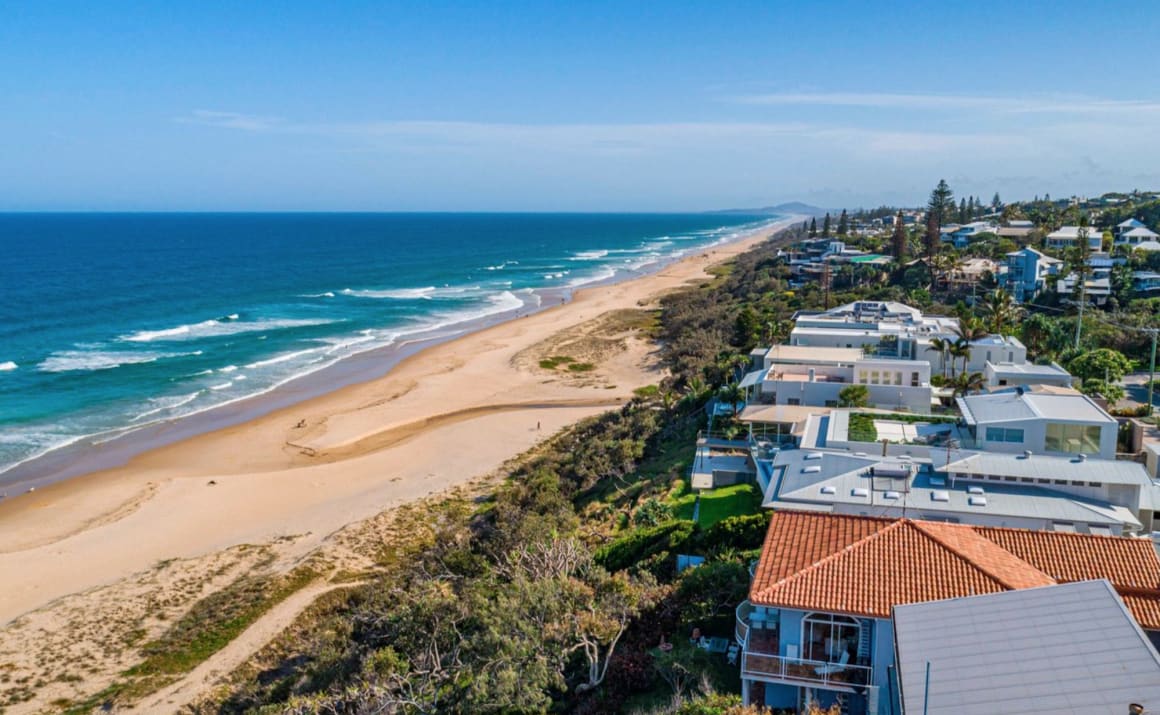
[(1026, 403), (1028, 369), (802, 353)]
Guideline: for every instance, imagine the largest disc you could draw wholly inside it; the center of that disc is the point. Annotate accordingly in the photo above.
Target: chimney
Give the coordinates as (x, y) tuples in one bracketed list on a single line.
[(812, 374)]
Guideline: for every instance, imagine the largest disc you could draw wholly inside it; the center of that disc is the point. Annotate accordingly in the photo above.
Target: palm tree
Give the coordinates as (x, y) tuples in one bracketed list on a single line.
[(961, 348), (943, 347), (733, 395), (971, 329), (1001, 310), (965, 383), (695, 390)]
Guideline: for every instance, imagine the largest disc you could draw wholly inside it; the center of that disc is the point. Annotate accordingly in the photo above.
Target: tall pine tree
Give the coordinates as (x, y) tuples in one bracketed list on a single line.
[(964, 217), (826, 226), (843, 224), (813, 227), (996, 204), (898, 239), (941, 205)]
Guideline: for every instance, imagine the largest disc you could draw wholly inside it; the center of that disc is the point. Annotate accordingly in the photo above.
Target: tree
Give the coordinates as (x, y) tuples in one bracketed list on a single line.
[(964, 215), (843, 224), (898, 239), (732, 394), (996, 204), (1100, 364), (941, 204), (1001, 311), (943, 347), (931, 238), (854, 396), (966, 383), (746, 329), (1109, 391), (961, 348), (813, 227), (826, 226)]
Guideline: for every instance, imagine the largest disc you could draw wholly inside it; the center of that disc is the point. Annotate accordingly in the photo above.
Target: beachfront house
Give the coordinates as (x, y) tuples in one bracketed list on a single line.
[(961, 236), (1067, 236), (895, 330), (858, 483), (1041, 419), (1068, 648), (1027, 273), (1140, 238), (815, 376), (817, 628), (1144, 282)]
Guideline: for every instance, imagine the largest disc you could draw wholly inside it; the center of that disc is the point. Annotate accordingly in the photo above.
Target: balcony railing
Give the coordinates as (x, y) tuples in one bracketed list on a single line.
[(744, 609), (767, 665)]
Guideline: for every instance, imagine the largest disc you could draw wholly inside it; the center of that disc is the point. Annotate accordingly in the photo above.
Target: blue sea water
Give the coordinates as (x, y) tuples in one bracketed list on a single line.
[(113, 322)]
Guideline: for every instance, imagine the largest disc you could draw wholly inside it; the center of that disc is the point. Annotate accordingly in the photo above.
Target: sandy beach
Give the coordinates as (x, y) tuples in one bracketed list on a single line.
[(291, 479)]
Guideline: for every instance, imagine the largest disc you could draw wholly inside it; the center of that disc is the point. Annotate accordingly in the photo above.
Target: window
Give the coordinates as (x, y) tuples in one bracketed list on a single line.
[(825, 637), (873, 377), (793, 401), (862, 376), (1004, 434), (914, 379), (1072, 438), (898, 378)]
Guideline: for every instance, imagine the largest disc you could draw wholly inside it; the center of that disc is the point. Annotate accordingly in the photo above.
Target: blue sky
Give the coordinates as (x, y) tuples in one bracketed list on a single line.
[(579, 106)]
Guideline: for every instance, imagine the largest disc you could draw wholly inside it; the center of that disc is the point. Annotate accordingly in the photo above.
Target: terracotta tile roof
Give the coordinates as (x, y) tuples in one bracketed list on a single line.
[(865, 565)]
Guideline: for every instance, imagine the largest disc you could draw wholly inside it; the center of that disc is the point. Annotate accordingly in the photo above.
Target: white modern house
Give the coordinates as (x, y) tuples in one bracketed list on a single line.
[(894, 330), (1039, 419), (1067, 236), (1027, 274), (798, 375), (1135, 237)]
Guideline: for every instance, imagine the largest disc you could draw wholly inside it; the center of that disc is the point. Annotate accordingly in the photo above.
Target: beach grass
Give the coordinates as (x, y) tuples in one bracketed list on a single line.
[(209, 626), (555, 361)]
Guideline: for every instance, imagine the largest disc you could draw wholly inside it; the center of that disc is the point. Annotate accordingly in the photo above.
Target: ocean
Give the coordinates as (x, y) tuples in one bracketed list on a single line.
[(116, 323)]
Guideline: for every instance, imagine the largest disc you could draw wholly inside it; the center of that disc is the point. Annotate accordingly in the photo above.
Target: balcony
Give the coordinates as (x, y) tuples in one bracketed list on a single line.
[(801, 671)]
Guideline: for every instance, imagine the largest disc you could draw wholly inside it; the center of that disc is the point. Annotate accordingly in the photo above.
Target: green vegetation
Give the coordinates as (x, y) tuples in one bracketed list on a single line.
[(720, 503), (861, 428), (854, 396), (551, 363), (211, 624), (581, 367)]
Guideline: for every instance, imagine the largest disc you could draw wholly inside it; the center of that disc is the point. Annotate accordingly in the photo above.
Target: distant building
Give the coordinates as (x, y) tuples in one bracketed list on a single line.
[(1044, 420), (1028, 271), (1146, 281), (1016, 229), (1067, 236), (1138, 239), (1068, 648), (961, 235)]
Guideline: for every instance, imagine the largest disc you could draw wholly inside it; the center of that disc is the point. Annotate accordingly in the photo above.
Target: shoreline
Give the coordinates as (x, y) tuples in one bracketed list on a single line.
[(98, 452), (303, 471)]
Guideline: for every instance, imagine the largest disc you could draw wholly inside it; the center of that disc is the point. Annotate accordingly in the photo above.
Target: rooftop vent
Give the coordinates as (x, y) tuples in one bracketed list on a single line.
[(829, 490), (1081, 457), (812, 469), (977, 501), (859, 492), (859, 454), (940, 495), (974, 490), (938, 481), (813, 455), (1027, 454), (892, 495)]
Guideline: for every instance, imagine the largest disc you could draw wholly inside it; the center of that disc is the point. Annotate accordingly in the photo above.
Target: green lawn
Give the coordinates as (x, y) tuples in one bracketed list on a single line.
[(720, 503)]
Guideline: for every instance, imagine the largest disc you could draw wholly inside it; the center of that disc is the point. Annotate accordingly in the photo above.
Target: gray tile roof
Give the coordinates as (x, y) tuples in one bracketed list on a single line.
[(1023, 404), (1041, 466), (1071, 648)]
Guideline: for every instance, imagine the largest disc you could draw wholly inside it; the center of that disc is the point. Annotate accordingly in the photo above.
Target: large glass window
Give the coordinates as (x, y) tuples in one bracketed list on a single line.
[(1004, 434), (826, 637), (1072, 438)]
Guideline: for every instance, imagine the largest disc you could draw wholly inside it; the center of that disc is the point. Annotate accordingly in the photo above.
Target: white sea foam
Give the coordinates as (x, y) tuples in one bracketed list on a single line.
[(327, 294), (398, 294), (280, 358), (602, 275), (81, 360), (222, 386), (161, 404), (9, 365), (588, 255), (228, 368), (218, 328)]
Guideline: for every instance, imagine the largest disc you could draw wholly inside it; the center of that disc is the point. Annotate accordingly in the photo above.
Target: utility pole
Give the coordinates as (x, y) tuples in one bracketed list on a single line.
[(1079, 318), (1152, 369)]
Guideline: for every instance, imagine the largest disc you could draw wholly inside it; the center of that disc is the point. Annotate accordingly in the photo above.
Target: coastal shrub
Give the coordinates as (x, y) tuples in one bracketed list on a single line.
[(738, 532), (641, 543), (551, 363), (581, 367), (651, 512), (711, 590)]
